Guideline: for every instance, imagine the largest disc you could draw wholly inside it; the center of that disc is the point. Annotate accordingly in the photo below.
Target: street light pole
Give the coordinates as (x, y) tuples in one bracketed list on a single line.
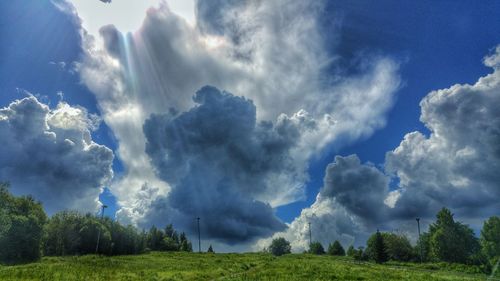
[(99, 231), (310, 236), (199, 235), (419, 239)]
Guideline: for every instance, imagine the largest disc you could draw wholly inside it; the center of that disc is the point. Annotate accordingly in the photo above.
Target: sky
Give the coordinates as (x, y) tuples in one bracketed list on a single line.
[(257, 116)]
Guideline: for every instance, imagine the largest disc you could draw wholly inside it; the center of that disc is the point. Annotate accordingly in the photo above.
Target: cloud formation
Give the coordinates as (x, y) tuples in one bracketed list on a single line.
[(280, 63), (50, 154), (456, 166), (220, 161)]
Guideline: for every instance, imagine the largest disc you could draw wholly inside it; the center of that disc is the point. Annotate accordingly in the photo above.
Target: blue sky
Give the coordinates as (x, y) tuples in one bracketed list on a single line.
[(435, 44)]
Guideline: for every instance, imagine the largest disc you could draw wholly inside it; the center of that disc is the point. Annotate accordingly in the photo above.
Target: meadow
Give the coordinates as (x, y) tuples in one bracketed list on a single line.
[(252, 266)]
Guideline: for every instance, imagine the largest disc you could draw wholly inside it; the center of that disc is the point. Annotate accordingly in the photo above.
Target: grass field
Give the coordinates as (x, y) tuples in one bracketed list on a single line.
[(192, 266)]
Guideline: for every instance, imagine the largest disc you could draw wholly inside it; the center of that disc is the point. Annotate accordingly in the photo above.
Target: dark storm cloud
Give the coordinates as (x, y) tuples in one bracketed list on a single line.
[(360, 188), (219, 160), (50, 155)]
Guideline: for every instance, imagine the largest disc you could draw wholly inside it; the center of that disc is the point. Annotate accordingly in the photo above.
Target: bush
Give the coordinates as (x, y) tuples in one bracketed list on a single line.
[(280, 246), (336, 249)]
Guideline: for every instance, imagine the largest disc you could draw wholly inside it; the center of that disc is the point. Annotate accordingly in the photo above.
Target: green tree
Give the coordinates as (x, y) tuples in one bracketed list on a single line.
[(490, 238), (316, 248), (280, 246), (376, 248), (351, 251), (185, 245), (22, 229), (398, 247), (210, 249), (451, 241), (336, 249)]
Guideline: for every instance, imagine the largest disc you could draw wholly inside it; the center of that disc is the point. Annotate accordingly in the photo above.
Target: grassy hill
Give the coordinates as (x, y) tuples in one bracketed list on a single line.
[(193, 266)]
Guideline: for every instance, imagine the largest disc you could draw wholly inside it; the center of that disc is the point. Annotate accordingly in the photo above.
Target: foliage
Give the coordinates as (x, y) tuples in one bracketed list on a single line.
[(336, 249), (490, 238), (351, 251), (376, 248), (398, 247), (189, 266), (72, 233), (423, 247), (451, 241), (280, 246), (210, 249), (316, 248), (22, 221)]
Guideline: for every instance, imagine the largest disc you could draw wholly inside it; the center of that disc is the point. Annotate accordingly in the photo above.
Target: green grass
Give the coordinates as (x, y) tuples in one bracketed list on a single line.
[(193, 266)]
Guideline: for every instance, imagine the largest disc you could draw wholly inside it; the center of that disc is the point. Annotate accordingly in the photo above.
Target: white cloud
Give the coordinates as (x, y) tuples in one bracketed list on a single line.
[(270, 52), (456, 167), (50, 154)]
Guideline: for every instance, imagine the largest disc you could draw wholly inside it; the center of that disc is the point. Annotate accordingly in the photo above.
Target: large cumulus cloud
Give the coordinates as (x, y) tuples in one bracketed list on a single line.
[(456, 166), (348, 207), (221, 162), (279, 62), (50, 154)]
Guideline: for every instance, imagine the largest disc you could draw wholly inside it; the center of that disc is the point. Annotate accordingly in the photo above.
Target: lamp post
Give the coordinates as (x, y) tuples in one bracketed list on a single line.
[(199, 235), (99, 231), (310, 236), (419, 240)]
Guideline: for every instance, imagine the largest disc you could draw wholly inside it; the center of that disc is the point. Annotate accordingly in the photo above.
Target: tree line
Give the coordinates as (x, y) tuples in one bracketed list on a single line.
[(26, 233), (446, 240)]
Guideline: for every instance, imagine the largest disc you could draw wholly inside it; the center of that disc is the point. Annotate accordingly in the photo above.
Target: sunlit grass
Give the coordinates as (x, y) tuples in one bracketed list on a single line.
[(193, 266)]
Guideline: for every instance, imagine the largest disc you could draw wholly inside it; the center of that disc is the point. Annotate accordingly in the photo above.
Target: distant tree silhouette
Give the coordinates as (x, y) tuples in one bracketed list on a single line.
[(280, 246), (336, 249), (210, 249)]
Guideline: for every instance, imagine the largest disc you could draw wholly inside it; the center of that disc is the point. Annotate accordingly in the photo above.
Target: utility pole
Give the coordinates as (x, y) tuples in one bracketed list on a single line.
[(419, 240), (99, 232), (310, 239), (199, 235)]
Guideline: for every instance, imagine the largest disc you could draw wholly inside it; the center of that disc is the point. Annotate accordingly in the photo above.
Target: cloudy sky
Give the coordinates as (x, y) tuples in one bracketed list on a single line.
[(257, 116)]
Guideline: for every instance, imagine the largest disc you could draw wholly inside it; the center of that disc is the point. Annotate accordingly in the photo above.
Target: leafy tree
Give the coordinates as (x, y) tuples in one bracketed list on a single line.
[(351, 251), (336, 249), (398, 247), (280, 246), (490, 238), (210, 249), (423, 248), (155, 239), (451, 241), (22, 227), (316, 248), (169, 244), (360, 254), (185, 245), (376, 248)]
